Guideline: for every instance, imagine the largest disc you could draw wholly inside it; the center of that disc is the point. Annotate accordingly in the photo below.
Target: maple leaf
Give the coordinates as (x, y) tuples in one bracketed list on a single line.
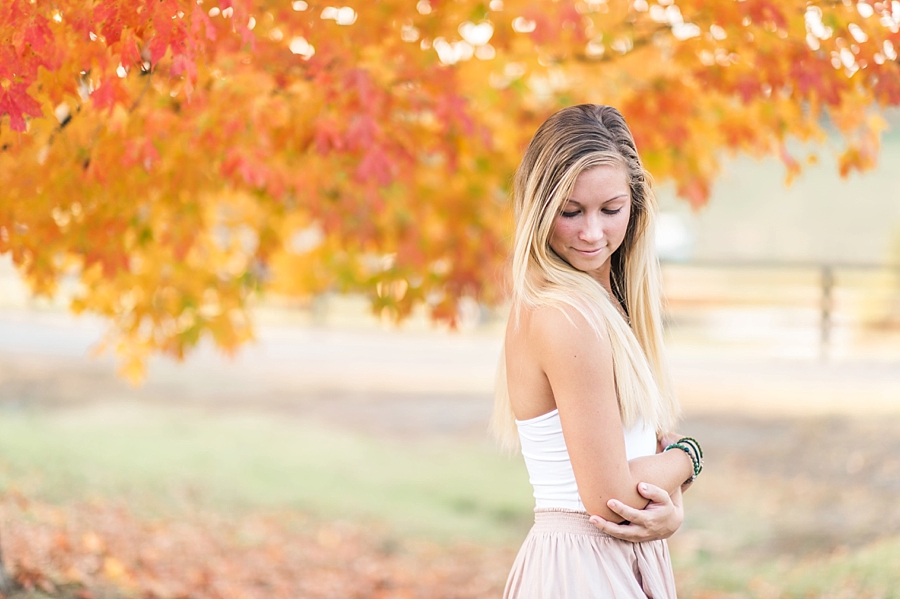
[(108, 93), (36, 35), (129, 51), (108, 21), (17, 103), (199, 18), (375, 166)]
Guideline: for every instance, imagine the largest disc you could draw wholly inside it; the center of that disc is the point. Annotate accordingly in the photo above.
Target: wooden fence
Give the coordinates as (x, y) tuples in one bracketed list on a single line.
[(861, 300)]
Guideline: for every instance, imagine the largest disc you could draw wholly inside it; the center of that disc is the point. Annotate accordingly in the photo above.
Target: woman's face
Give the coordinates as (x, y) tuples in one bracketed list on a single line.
[(594, 219)]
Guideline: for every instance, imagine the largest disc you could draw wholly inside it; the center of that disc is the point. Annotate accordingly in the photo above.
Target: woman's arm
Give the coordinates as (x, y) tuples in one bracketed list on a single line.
[(578, 366), (659, 520)]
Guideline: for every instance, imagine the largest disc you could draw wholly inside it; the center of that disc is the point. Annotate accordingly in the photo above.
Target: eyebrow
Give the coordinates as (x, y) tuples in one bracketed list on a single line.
[(621, 195)]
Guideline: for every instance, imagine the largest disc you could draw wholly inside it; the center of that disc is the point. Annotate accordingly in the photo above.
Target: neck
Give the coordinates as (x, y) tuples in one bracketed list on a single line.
[(602, 276)]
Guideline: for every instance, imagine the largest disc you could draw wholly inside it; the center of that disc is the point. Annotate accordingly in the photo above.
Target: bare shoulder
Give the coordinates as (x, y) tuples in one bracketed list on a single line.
[(563, 332), (554, 358), (535, 325)]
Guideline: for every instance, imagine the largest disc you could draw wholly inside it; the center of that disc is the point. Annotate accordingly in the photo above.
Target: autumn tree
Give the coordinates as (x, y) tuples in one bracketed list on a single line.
[(177, 156)]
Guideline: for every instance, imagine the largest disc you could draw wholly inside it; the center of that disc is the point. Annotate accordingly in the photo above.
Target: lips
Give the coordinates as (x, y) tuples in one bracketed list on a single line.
[(588, 252)]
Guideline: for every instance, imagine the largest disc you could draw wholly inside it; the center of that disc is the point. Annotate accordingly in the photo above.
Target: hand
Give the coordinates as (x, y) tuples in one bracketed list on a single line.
[(659, 520), (665, 440)]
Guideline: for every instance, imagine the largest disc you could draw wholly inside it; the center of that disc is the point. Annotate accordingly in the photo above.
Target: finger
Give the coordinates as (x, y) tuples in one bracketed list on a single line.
[(653, 493), (626, 511), (626, 532), (600, 523)]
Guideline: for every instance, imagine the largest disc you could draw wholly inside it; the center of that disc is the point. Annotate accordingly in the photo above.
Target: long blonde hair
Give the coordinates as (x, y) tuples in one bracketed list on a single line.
[(570, 142)]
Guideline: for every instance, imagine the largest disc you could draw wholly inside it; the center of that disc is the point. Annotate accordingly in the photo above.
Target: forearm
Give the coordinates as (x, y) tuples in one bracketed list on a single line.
[(667, 470)]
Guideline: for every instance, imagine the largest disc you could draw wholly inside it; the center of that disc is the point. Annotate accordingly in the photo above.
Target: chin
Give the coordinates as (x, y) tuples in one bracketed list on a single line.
[(588, 270), (587, 265)]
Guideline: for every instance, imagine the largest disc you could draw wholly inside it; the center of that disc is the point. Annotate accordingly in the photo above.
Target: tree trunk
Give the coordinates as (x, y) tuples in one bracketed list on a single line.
[(5, 582)]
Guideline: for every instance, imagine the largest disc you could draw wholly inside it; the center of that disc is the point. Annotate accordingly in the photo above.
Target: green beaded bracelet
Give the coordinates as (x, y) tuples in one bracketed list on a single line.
[(690, 453), (688, 450), (691, 442)]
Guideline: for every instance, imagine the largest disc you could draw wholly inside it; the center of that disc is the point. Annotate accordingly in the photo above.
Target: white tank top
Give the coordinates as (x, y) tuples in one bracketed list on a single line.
[(547, 459)]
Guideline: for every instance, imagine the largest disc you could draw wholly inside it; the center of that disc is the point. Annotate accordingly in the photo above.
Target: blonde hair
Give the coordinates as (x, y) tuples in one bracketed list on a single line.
[(570, 142)]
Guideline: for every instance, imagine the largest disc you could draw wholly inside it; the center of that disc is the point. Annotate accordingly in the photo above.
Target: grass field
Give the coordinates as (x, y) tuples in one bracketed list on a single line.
[(785, 508), (163, 459)]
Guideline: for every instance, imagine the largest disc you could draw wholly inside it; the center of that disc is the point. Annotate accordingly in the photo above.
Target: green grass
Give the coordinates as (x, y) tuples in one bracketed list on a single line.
[(872, 572), (163, 460), (166, 460)]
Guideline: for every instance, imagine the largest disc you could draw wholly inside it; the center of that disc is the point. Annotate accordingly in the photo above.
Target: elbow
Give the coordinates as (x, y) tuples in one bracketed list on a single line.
[(606, 513), (596, 506)]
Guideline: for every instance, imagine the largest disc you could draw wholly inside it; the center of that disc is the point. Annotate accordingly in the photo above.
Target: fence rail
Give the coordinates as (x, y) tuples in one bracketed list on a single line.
[(864, 297), (823, 310)]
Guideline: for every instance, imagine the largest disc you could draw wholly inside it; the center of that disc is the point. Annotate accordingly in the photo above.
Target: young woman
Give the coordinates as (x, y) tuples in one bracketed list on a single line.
[(584, 386)]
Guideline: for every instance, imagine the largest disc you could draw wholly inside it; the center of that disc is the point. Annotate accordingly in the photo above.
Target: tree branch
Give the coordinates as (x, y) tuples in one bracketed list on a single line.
[(140, 96)]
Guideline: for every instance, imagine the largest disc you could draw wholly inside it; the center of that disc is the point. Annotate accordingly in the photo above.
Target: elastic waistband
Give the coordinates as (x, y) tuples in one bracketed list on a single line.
[(548, 520)]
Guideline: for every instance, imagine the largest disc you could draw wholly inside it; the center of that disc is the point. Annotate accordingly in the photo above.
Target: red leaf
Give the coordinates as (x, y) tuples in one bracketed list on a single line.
[(793, 167), (362, 132), (38, 34), (695, 191), (183, 64), (198, 18), (328, 137), (109, 93), (108, 21), (374, 166), (130, 54), (162, 26), (253, 173), (140, 151), (16, 102)]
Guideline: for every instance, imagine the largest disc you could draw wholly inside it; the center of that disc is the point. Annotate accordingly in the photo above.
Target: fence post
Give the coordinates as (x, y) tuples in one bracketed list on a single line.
[(827, 307)]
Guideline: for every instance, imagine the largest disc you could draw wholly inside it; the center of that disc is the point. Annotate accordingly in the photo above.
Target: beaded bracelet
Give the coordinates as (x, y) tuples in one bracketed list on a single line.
[(689, 451), (694, 443), (692, 453)]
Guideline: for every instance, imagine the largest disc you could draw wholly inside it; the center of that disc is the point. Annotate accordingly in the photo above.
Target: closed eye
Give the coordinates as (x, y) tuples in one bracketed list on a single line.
[(570, 214), (616, 211)]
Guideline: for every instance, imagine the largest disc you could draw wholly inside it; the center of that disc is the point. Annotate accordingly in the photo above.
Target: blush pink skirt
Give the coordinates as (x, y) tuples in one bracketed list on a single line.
[(565, 557)]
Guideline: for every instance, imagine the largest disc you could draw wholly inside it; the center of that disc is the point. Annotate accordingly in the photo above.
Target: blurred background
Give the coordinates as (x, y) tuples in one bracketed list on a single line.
[(363, 444), (299, 198)]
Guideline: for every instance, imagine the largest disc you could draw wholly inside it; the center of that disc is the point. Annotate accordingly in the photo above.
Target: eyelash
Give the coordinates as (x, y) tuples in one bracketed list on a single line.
[(574, 214)]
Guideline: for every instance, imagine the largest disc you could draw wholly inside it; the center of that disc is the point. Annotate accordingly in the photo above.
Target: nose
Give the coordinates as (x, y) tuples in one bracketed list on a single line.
[(592, 231)]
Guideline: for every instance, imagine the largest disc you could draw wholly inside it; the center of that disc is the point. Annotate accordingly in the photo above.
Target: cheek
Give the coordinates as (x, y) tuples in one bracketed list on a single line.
[(616, 231), (621, 225), (555, 234), (563, 229), (554, 239)]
